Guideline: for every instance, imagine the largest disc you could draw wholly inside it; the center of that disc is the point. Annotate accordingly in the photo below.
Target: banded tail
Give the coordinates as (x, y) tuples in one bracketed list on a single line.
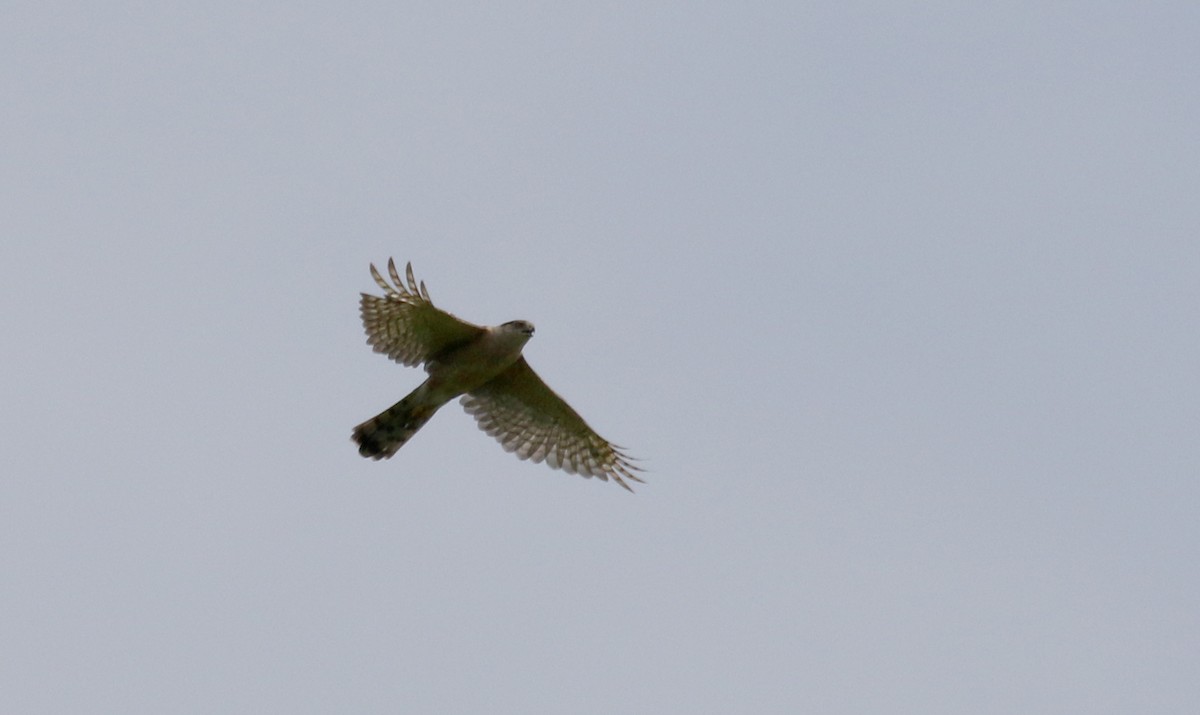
[(385, 433)]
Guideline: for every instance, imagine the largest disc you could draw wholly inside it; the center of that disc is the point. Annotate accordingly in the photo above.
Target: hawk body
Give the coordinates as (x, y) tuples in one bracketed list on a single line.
[(485, 367)]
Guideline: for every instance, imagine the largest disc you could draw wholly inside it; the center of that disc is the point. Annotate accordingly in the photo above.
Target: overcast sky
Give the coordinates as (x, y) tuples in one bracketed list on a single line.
[(897, 302)]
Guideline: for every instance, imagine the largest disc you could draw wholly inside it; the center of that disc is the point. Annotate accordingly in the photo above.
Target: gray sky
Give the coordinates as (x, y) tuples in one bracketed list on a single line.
[(898, 302)]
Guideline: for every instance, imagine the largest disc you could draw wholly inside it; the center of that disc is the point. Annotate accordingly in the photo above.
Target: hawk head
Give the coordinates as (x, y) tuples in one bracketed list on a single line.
[(518, 326)]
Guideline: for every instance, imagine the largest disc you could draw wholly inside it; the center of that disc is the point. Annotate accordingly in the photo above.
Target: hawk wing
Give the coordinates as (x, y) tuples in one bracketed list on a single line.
[(405, 325), (527, 418)]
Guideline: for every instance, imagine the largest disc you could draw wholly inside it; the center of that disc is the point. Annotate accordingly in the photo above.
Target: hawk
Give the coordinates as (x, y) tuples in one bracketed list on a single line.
[(485, 367)]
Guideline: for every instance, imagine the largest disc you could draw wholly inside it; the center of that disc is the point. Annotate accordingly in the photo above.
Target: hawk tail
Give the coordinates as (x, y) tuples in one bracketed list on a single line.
[(385, 433)]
